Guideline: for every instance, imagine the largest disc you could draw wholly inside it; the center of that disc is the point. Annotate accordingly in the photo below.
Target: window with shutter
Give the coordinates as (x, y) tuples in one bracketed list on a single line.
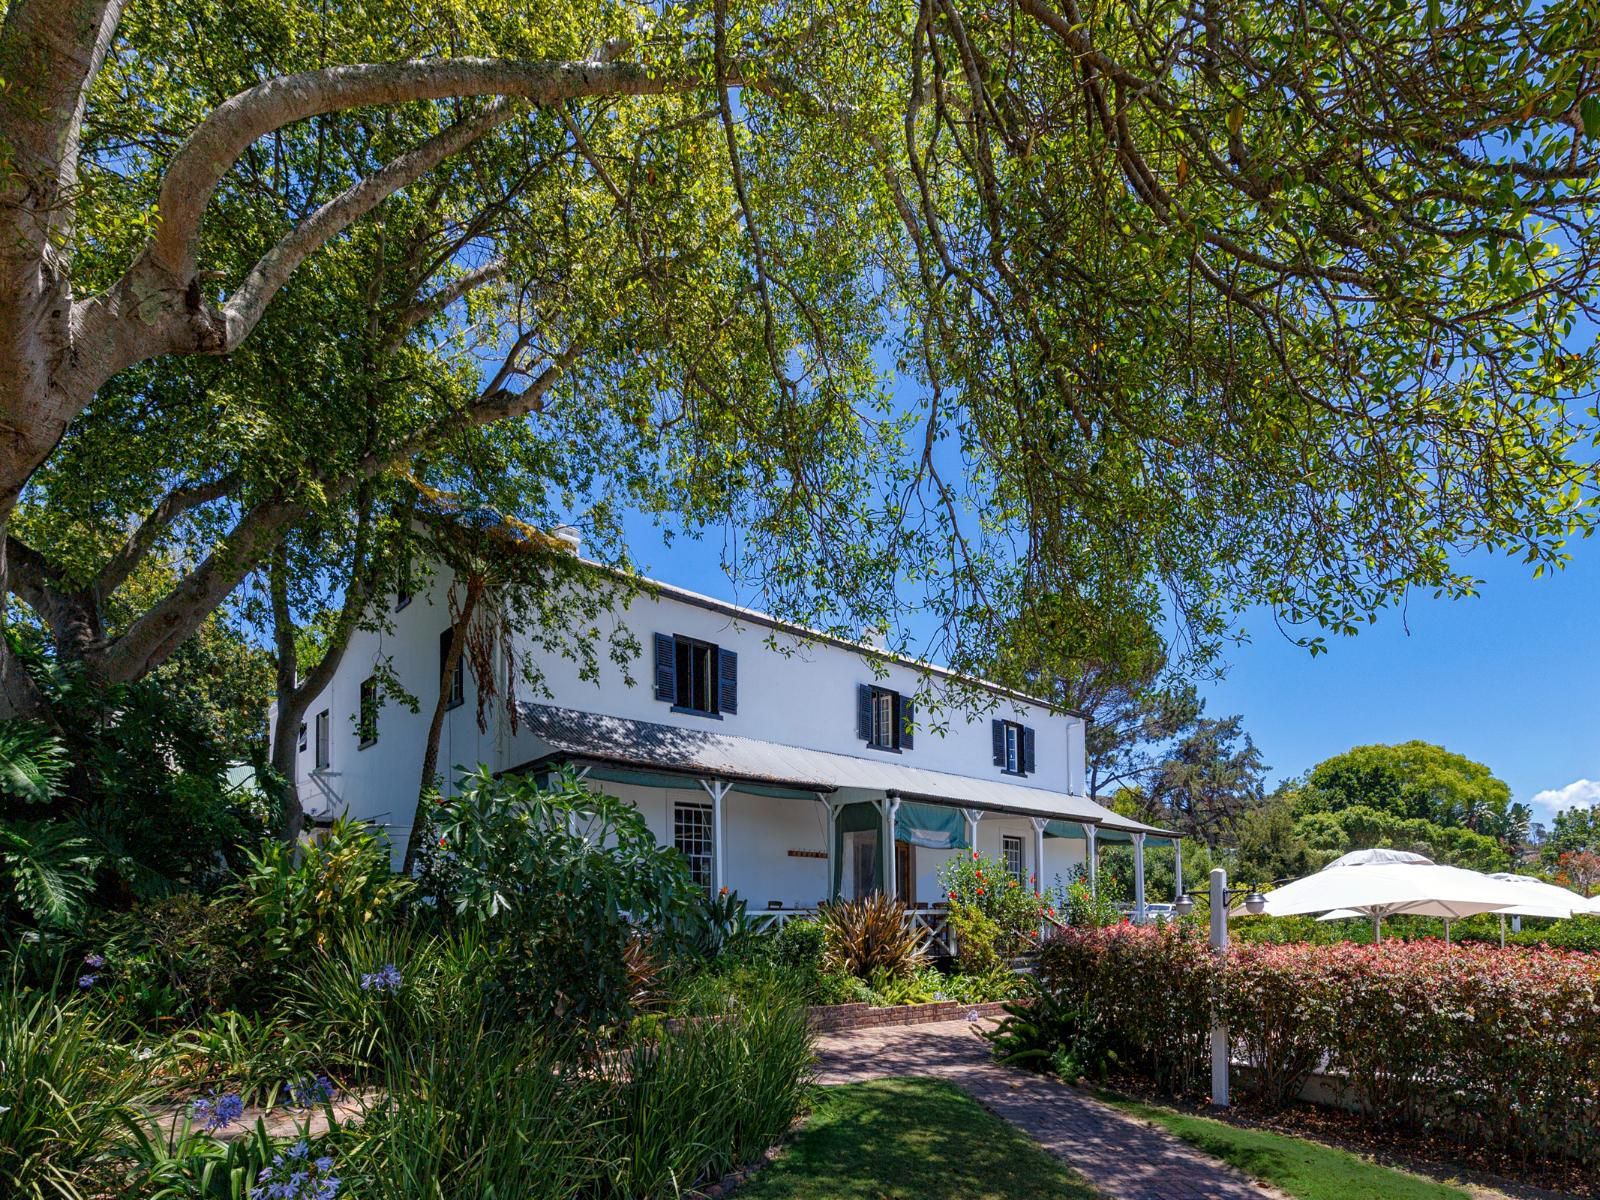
[(1013, 743), (998, 729), (864, 711), (324, 741), (884, 719), (1027, 750), (727, 681), (696, 677)]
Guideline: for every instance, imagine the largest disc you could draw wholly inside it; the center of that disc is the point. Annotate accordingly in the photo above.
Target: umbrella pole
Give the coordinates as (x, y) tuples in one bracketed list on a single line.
[(1377, 929), (1502, 931), (1447, 931)]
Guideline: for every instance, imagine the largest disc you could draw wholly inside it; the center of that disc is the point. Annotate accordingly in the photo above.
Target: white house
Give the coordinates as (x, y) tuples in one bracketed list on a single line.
[(781, 762)]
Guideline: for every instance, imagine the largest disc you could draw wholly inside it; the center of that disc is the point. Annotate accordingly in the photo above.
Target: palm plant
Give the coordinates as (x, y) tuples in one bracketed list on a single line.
[(46, 868)]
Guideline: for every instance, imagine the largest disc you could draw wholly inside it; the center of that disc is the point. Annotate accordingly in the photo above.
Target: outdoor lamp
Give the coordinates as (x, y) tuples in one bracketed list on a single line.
[(1255, 904), (1184, 905)]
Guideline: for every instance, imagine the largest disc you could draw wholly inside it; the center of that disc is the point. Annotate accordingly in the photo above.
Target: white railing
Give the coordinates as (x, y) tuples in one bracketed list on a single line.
[(933, 924)]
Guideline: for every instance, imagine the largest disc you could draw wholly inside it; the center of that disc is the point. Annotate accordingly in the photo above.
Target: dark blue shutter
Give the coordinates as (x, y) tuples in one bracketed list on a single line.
[(1027, 751), (727, 681), (999, 730), (864, 712), (666, 669), (908, 719)]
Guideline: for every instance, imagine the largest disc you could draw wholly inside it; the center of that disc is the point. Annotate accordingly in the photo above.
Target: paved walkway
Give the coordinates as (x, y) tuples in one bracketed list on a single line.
[(1123, 1158)]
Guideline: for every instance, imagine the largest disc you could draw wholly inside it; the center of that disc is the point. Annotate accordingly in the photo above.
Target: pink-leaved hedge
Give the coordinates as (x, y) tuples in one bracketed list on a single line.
[(1495, 1047)]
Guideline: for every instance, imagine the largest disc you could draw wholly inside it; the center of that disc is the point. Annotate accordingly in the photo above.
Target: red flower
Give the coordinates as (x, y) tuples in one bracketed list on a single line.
[(952, 895), (441, 841), (980, 891), (722, 892)]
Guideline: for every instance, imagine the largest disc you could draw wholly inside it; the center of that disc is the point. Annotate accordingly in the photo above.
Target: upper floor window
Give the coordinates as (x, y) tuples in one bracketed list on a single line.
[(324, 741), (1013, 747), (884, 718), (695, 676), (458, 677), (367, 714), (301, 745)]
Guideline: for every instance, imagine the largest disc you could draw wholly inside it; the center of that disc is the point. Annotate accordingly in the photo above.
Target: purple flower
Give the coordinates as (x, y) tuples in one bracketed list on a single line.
[(294, 1175), (85, 982), (385, 979), (94, 960), (212, 1112), (311, 1091)]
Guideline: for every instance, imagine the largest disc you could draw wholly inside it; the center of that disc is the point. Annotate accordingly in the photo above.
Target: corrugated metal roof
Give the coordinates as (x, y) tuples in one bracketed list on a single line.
[(573, 733)]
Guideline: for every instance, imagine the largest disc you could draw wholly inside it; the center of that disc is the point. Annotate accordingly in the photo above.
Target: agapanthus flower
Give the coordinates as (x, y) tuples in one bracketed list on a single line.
[(294, 1175), (95, 961), (213, 1112), (85, 982), (311, 1091), (385, 979)]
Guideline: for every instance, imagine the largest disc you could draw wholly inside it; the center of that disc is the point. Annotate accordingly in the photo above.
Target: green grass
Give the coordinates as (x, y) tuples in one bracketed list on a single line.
[(1305, 1169), (910, 1139)]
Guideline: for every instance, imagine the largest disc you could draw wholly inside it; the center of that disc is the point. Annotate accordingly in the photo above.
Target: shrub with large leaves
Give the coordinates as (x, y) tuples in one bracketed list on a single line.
[(563, 877), (46, 867)]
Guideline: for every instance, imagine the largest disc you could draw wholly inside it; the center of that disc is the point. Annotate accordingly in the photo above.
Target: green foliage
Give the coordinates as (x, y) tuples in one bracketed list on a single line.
[(68, 1092), (862, 937), (976, 935), (562, 877), (1359, 827), (1208, 783), (1572, 831), (320, 889), (1085, 905), (1052, 1031), (46, 872), (983, 884), (179, 957)]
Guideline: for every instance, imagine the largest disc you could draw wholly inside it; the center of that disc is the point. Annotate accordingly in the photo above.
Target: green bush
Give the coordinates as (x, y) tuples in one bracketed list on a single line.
[(306, 896), (68, 1091), (801, 944), (1048, 1031), (178, 958), (971, 881), (977, 936), (561, 879), (1498, 1048)]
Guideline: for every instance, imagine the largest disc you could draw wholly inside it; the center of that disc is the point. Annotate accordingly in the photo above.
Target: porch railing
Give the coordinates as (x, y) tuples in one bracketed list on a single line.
[(932, 924)]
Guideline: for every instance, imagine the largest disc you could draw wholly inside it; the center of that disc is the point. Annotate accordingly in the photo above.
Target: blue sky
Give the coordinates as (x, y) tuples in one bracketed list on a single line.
[(1507, 678)]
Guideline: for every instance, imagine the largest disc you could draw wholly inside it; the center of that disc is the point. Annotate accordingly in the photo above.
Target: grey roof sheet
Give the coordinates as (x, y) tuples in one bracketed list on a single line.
[(573, 733)]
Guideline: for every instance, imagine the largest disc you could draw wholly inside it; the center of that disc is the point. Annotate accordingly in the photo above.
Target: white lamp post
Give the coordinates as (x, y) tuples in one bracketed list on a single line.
[(1254, 902)]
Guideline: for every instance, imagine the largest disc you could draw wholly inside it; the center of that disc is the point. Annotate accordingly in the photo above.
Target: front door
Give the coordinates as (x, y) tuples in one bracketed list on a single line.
[(905, 873)]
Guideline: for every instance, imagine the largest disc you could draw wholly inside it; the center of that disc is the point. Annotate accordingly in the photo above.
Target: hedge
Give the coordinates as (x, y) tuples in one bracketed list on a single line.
[(1496, 1047)]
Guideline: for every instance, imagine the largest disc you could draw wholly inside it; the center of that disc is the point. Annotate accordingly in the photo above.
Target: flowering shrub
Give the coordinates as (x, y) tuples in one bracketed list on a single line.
[(214, 1112), (296, 1175), (973, 882), (1498, 1047)]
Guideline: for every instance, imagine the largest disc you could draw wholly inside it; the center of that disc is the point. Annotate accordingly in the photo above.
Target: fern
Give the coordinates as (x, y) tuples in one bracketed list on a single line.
[(32, 762), (47, 868)]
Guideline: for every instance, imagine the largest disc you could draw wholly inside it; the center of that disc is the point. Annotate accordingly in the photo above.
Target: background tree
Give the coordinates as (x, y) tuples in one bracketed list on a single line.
[(1572, 831), (1210, 781)]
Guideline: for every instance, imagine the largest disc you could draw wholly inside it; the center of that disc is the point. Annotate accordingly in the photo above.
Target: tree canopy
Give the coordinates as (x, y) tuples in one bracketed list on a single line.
[(1028, 323)]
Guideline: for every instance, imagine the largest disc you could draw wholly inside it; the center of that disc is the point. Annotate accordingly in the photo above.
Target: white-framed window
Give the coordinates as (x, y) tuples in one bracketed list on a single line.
[(885, 729), (694, 835), (324, 742), (1013, 748), (1011, 850), (301, 745)]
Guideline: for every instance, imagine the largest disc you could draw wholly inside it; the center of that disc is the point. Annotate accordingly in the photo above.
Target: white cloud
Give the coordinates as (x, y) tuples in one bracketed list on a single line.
[(1580, 793)]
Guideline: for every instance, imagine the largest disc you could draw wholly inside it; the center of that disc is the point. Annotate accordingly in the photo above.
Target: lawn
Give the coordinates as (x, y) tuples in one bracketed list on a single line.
[(1305, 1169), (910, 1139)]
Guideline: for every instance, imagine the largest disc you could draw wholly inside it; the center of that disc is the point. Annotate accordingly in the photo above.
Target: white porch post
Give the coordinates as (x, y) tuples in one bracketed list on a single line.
[(831, 890), (1094, 861), (718, 790), (1219, 1031), (1138, 879), (1177, 865), (891, 805), (973, 816), (1038, 824)]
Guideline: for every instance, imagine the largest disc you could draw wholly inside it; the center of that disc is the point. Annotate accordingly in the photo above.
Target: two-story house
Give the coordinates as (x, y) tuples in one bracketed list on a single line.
[(786, 765)]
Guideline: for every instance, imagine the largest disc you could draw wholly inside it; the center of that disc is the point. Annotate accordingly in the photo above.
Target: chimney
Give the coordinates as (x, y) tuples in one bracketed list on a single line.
[(570, 534)]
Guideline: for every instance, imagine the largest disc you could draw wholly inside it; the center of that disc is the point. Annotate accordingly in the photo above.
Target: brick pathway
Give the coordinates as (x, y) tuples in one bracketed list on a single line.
[(1123, 1158)]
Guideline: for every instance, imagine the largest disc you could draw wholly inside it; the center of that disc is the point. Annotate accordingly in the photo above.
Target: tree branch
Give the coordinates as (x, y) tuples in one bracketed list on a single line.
[(171, 506)]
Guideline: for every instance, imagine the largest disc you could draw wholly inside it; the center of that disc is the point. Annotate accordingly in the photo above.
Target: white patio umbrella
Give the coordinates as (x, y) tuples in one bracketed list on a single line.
[(1388, 883), (1543, 900)]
